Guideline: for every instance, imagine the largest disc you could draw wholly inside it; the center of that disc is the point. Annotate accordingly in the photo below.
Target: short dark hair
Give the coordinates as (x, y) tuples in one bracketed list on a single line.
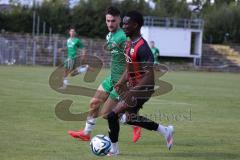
[(72, 27), (137, 17), (112, 11)]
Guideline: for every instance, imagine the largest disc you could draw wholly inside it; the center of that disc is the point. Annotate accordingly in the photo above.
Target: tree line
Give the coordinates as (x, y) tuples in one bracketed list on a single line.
[(222, 18)]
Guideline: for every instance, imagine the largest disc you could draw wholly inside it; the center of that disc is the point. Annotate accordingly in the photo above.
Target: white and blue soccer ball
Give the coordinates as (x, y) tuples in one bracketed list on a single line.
[(100, 145)]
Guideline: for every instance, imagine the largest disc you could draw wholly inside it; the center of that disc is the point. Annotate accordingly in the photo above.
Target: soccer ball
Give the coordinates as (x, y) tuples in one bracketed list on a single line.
[(100, 145)]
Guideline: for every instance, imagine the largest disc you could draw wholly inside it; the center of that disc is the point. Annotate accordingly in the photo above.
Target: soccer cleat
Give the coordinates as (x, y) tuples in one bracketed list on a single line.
[(114, 151), (65, 84), (169, 136), (79, 70), (74, 73), (79, 135), (136, 133)]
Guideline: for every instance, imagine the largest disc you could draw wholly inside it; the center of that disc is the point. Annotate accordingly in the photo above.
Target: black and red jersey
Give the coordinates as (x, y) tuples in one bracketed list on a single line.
[(138, 56)]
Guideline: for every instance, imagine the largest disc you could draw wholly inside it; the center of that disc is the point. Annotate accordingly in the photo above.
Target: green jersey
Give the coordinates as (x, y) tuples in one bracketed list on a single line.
[(155, 53), (115, 44), (72, 45)]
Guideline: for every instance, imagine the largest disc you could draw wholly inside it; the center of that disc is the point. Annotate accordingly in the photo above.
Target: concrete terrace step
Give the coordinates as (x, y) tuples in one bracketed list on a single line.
[(223, 57)]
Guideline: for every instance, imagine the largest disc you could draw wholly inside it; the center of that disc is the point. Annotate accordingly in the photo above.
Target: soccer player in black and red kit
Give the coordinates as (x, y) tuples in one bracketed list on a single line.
[(139, 79)]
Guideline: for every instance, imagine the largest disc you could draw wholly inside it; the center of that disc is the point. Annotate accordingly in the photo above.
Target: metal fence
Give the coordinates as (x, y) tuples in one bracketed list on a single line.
[(26, 49), (173, 22), (43, 50)]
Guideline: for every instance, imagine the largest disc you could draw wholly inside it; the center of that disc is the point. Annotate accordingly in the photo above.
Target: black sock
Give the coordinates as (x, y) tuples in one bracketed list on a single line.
[(113, 125), (141, 121)]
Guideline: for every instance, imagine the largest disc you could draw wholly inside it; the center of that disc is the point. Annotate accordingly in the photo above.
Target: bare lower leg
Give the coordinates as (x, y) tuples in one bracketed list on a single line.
[(65, 73), (94, 107), (99, 98), (108, 106)]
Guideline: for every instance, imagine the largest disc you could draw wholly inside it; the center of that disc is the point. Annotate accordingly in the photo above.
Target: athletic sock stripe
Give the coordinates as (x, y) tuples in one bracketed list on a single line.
[(91, 123)]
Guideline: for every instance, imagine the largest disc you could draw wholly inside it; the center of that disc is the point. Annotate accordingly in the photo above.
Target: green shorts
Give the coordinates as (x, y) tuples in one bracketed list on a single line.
[(108, 87), (70, 63)]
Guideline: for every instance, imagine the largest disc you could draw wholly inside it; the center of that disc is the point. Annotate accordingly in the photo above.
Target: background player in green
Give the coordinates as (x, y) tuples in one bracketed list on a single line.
[(106, 93), (73, 43), (155, 52)]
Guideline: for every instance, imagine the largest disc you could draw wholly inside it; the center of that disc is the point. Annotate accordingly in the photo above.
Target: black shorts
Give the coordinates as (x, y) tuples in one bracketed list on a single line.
[(138, 105), (136, 101)]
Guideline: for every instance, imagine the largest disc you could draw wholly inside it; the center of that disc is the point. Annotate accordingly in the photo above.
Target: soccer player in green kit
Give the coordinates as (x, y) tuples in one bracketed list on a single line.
[(73, 43), (106, 93), (155, 52)]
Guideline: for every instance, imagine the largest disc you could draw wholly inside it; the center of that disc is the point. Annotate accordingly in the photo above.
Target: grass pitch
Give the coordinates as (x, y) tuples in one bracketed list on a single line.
[(203, 107)]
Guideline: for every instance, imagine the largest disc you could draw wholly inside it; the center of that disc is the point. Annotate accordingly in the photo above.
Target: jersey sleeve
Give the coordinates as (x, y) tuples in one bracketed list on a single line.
[(80, 44), (157, 51), (145, 54)]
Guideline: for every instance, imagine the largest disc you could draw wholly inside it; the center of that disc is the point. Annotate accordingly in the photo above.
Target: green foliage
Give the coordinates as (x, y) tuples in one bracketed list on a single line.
[(128, 5), (18, 20), (88, 16), (222, 23), (171, 8), (55, 13)]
